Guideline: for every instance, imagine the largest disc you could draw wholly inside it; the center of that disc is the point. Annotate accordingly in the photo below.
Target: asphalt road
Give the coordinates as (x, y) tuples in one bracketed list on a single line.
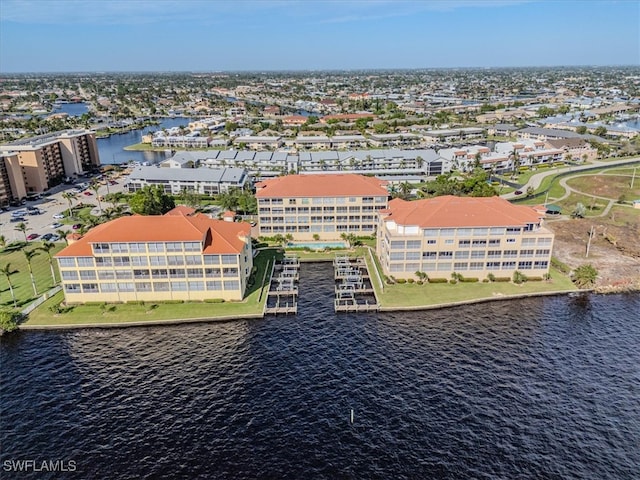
[(50, 205)]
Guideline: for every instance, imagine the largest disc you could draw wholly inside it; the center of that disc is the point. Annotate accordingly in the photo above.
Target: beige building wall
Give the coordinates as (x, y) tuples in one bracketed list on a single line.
[(157, 271), (326, 217), (469, 251), (11, 180)]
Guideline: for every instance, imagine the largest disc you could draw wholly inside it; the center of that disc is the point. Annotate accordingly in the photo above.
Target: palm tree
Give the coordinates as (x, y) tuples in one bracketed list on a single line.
[(47, 247), (3, 241), (63, 234), (22, 227), (95, 186), (29, 254), (69, 197), (7, 272)]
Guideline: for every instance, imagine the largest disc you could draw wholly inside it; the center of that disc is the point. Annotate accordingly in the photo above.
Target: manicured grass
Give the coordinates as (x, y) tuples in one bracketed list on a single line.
[(21, 280), (253, 304), (414, 295)]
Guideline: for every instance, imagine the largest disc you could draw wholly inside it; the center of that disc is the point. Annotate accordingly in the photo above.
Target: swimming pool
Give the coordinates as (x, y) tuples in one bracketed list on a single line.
[(316, 245)]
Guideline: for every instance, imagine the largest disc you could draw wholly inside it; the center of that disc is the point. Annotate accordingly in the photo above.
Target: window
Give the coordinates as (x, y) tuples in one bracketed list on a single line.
[(72, 288), (526, 253), (229, 272), (212, 259), (66, 275), (448, 241), (137, 248), (159, 273), (85, 261), (126, 287), (541, 264), (525, 265), (477, 253), (143, 287), (543, 253), (155, 247), (462, 254), (494, 253), (87, 274), (496, 231), (155, 260), (161, 286), (173, 246), (193, 259), (231, 285), (479, 243), (121, 261), (104, 261), (396, 256), (196, 286), (214, 285), (177, 273), (106, 275), (179, 286), (508, 265), (480, 231), (544, 241), (120, 248), (430, 232), (124, 274), (429, 254), (476, 266), (493, 265), (460, 266), (175, 259), (447, 232), (139, 261), (494, 243), (464, 243), (431, 242), (100, 248), (108, 287), (444, 267), (212, 272), (528, 241), (413, 255), (445, 254), (464, 232), (90, 288), (141, 274), (229, 259)]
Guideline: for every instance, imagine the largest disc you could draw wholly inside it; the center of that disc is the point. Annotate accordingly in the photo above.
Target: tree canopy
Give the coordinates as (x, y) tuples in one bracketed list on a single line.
[(151, 200), (474, 185)]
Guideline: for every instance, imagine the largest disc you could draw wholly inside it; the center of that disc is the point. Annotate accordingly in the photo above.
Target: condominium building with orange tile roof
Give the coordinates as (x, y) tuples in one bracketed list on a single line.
[(320, 206), (470, 236), (180, 256)]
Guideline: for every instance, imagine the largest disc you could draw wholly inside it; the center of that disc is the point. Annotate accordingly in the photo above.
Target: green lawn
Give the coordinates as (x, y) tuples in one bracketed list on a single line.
[(253, 304), (594, 206), (21, 280), (414, 295)]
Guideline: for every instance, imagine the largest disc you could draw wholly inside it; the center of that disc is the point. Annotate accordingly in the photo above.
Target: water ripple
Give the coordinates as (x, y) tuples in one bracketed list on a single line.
[(539, 388)]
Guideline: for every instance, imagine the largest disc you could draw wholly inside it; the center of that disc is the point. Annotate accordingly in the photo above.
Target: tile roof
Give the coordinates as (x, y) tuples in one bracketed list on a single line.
[(181, 210), (451, 211), (333, 185), (217, 236)]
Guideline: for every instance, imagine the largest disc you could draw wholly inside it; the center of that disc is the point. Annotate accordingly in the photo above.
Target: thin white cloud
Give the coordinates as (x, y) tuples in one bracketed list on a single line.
[(125, 12)]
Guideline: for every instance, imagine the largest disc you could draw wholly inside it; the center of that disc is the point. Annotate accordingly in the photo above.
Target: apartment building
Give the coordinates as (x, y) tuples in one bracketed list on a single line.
[(320, 206), (11, 182), (205, 181), (468, 235), (45, 160), (156, 258)]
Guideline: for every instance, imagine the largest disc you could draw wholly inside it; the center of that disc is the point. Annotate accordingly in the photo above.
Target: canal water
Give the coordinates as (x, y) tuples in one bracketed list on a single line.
[(544, 388)]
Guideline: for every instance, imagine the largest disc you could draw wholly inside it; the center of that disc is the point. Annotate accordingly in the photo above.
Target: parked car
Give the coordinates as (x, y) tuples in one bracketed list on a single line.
[(54, 238), (77, 226), (88, 194), (47, 237), (518, 192), (55, 225), (32, 236), (58, 216), (17, 219)]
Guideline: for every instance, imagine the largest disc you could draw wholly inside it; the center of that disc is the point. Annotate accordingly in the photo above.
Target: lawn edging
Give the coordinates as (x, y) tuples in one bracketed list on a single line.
[(437, 306)]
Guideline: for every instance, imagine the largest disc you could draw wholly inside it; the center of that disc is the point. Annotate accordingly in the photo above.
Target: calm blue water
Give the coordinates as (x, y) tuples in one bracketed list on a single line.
[(72, 109), (112, 151), (545, 388)]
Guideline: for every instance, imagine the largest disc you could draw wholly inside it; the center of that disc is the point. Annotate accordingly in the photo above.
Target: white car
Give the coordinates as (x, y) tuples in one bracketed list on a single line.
[(58, 216), (55, 225)]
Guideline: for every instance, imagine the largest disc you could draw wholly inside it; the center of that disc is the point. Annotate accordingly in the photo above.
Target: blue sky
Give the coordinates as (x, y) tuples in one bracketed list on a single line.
[(198, 35)]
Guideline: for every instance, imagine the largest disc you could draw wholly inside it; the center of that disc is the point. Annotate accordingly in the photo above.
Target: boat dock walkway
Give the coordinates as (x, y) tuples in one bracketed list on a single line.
[(353, 289), (283, 289)]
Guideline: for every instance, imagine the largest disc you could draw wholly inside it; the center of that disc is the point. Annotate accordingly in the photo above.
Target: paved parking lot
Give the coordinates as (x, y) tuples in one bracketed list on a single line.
[(51, 205)]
